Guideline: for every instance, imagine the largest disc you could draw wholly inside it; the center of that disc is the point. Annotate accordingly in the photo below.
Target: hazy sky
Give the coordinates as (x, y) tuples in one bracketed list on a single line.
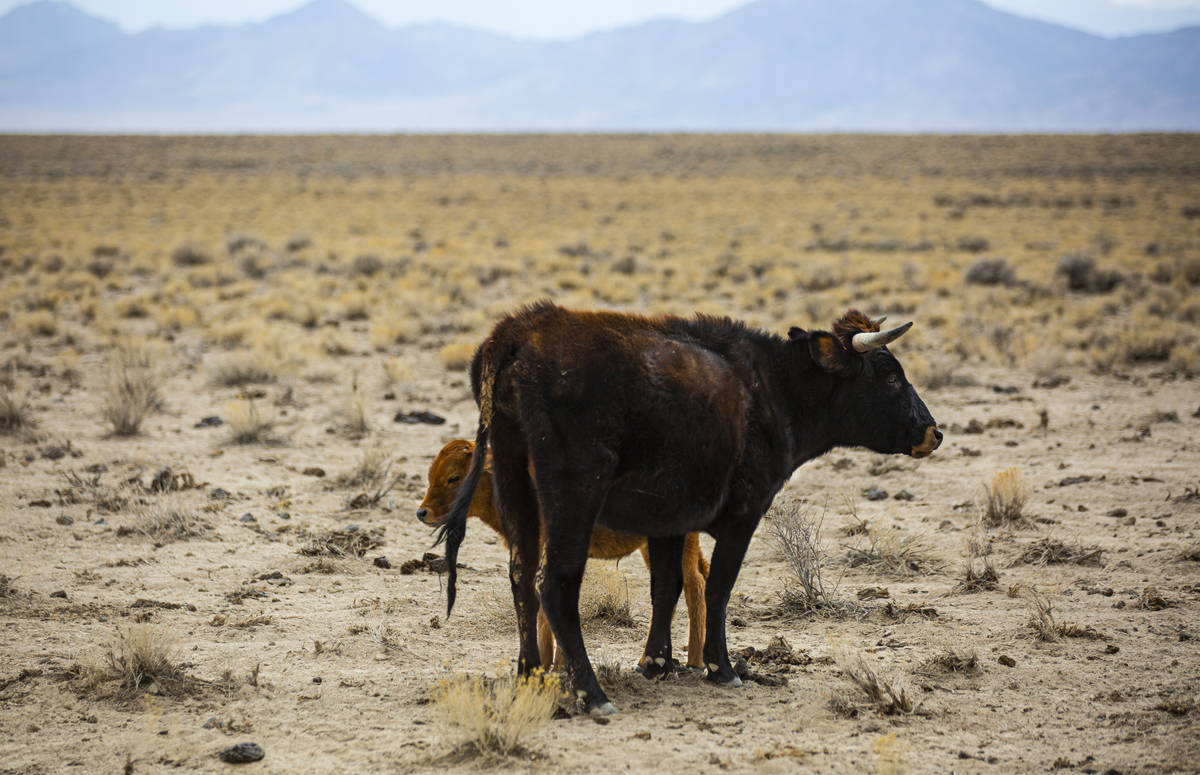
[(559, 18)]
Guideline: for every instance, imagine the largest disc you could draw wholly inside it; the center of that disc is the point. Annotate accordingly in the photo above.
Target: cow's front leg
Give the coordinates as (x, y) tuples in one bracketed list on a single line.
[(727, 556), (666, 582)]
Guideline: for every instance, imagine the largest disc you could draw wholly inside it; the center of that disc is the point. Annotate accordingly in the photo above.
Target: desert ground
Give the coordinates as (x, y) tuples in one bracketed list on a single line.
[(227, 362)]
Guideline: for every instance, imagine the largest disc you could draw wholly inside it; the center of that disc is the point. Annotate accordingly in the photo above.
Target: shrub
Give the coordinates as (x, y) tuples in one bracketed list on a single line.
[(14, 403), (604, 595), (1005, 499), (990, 271), (246, 423), (798, 537), (496, 715), (191, 254), (886, 695), (133, 389), (1083, 276)]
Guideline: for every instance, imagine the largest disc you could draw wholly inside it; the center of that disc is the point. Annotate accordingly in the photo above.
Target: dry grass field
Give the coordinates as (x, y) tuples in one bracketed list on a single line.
[(216, 353)]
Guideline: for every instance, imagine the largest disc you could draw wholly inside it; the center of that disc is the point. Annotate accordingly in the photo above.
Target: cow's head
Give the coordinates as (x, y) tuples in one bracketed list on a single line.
[(446, 473), (874, 403)]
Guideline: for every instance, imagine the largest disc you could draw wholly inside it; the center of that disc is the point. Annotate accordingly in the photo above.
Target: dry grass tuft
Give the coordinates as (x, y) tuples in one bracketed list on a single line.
[(1050, 551), (245, 368), (140, 660), (343, 543), (497, 716), (1043, 622), (167, 522), (134, 389), (355, 410), (372, 476), (952, 658), (14, 403), (1005, 499), (247, 425), (979, 573), (893, 553), (604, 595), (457, 355), (888, 697)]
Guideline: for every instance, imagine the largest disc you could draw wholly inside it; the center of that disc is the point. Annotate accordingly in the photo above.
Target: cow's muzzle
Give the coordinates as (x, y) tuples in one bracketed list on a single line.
[(427, 518), (931, 441)]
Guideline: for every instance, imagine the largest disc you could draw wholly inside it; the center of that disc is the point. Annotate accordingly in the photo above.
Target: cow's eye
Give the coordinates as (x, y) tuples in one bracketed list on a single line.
[(893, 380), (453, 479)]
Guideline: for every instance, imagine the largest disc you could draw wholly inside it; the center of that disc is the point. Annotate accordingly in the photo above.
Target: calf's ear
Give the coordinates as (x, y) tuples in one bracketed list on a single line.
[(828, 353)]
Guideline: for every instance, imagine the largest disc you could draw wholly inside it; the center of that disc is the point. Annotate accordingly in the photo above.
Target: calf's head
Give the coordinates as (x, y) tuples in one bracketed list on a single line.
[(445, 475), (875, 406)]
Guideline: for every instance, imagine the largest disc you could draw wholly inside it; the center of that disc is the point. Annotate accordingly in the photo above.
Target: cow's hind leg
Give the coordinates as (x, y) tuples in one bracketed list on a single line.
[(519, 516), (568, 530), (728, 552), (666, 582)]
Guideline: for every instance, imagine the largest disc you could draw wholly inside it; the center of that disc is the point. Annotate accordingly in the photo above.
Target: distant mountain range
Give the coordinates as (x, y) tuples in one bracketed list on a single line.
[(796, 65)]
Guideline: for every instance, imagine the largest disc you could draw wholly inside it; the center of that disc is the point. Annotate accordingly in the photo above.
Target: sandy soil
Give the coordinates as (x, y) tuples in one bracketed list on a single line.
[(344, 661)]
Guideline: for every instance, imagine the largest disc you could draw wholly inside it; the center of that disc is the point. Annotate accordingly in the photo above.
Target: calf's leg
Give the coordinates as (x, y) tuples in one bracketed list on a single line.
[(694, 573)]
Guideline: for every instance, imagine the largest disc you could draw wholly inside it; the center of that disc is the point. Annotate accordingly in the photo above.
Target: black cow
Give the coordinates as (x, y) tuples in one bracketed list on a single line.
[(662, 426)]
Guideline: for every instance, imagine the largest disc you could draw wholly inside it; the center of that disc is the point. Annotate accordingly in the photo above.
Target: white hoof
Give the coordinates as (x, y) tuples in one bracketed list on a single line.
[(606, 709)]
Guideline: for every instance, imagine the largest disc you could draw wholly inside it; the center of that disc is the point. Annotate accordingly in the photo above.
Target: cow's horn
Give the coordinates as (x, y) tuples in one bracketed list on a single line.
[(879, 320), (868, 341)]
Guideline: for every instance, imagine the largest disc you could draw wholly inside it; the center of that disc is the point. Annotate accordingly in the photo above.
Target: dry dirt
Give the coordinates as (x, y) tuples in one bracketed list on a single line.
[(329, 663)]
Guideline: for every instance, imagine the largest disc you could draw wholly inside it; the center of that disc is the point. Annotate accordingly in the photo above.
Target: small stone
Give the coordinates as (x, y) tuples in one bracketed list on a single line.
[(1007, 661), (435, 623), (219, 494), (875, 494), (61, 594), (904, 495), (436, 564), (1111, 649), (382, 562), (54, 453), (421, 416), (247, 517), (65, 519), (316, 471), (1118, 512), (317, 679), (212, 421), (213, 723), (242, 753), (737, 621)]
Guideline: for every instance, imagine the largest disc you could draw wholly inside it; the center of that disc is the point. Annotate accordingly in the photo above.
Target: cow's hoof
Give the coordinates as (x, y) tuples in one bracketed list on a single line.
[(606, 709), (716, 677), (657, 668)]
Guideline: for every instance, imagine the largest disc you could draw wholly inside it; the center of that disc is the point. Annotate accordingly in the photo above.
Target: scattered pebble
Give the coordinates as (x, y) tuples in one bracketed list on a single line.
[(65, 519), (875, 494), (1118, 512), (1007, 661), (219, 494), (62, 594), (213, 723), (316, 471), (242, 753), (382, 562), (212, 421), (247, 517), (904, 495)]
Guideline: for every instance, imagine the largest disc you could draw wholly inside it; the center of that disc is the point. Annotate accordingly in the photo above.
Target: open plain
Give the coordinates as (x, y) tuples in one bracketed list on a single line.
[(223, 363)]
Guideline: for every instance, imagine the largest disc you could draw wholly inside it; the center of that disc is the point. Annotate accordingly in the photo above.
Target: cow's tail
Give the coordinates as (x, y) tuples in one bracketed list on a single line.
[(454, 528)]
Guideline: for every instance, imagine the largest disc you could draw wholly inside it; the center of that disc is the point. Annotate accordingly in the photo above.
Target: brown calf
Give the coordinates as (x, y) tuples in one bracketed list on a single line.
[(446, 473)]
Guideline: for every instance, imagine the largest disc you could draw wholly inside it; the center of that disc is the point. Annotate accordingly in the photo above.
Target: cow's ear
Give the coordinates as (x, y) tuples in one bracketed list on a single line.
[(797, 334), (828, 353)]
